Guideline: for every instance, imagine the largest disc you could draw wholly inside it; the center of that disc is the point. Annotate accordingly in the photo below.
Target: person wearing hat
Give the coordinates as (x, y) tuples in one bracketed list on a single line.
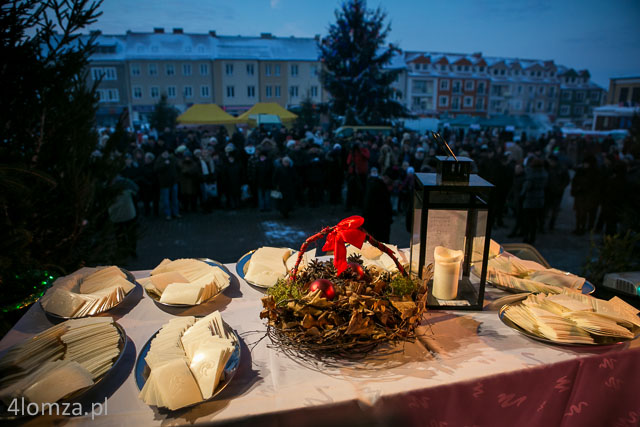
[(189, 177), (284, 182), (377, 211), (166, 170), (335, 174)]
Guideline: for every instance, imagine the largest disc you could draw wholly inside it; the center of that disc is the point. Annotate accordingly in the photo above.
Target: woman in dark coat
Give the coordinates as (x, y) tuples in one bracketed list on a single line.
[(585, 191), (284, 181), (377, 212), (535, 181), (189, 177)]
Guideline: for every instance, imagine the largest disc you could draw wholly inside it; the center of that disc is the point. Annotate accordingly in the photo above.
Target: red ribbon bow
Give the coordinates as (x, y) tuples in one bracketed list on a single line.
[(347, 231)]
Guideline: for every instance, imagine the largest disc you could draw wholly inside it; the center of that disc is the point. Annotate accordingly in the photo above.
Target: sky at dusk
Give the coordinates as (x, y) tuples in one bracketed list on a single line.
[(601, 36)]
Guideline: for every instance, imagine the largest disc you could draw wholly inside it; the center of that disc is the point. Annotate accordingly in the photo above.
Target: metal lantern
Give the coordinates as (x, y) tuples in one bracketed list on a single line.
[(452, 231)]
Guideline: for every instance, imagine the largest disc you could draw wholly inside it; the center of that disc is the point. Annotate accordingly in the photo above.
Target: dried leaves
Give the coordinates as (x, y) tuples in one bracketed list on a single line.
[(378, 307)]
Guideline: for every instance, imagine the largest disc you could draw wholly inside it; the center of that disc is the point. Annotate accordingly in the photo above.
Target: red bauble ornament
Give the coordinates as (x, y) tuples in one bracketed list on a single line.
[(325, 286), (357, 268)]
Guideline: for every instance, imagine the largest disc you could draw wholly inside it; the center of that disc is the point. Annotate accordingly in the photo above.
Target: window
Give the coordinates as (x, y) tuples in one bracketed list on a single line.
[(481, 69), (276, 70), (444, 101), (231, 92), (113, 95), (566, 95), (251, 91), (314, 91), (135, 69), (457, 85), (517, 105), (314, 70), (595, 96), (552, 106), (422, 86), (455, 102), (228, 69), (96, 73), (580, 96), (293, 91), (519, 89), (444, 85), (459, 68), (170, 69), (564, 110), (624, 94), (540, 106), (250, 69), (531, 89), (104, 73), (294, 70), (110, 73), (495, 72), (468, 101), (578, 110), (268, 91), (443, 68), (277, 91), (541, 90), (188, 91), (468, 85), (552, 91), (186, 69), (466, 68), (204, 91), (480, 103), (267, 70), (155, 91), (171, 91), (153, 70), (480, 87), (204, 69), (137, 92)]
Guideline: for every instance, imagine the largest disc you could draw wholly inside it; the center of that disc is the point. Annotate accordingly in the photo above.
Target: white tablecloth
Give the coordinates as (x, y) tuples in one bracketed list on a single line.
[(456, 347)]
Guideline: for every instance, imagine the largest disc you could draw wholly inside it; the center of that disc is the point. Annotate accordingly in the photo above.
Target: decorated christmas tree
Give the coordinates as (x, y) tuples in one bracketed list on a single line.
[(55, 182), (356, 68)]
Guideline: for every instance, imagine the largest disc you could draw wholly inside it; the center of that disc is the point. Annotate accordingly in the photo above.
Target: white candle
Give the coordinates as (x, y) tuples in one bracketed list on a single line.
[(446, 272)]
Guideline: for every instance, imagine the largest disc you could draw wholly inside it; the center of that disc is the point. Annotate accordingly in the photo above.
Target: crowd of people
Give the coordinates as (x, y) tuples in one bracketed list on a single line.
[(179, 172)]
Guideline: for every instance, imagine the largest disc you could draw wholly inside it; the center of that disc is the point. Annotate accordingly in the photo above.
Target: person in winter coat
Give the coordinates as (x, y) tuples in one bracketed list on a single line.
[(189, 177), (315, 177), (284, 181), (149, 185), (377, 211), (261, 178), (231, 175), (558, 181), (535, 182), (357, 169), (335, 174), (585, 190), (166, 171)]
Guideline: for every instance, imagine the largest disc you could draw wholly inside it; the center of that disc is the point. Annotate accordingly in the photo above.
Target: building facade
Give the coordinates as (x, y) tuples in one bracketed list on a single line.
[(451, 84), (624, 91), (135, 69), (578, 97)]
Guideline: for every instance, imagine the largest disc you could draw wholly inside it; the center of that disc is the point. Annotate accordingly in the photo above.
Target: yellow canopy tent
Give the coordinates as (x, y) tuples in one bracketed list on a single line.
[(206, 114), (287, 117)]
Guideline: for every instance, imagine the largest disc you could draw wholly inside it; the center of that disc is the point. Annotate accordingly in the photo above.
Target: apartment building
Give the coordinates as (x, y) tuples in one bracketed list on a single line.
[(624, 91), (578, 96), (440, 83), (233, 72), (108, 69), (474, 85)]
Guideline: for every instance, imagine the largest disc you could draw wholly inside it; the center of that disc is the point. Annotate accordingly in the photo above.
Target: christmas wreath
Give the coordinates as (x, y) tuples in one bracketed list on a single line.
[(341, 307)]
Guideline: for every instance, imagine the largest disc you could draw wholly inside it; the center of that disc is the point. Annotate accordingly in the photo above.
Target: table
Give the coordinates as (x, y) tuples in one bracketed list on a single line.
[(467, 368)]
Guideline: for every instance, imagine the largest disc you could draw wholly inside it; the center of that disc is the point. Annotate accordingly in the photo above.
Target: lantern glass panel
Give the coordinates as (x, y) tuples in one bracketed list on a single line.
[(455, 219)]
